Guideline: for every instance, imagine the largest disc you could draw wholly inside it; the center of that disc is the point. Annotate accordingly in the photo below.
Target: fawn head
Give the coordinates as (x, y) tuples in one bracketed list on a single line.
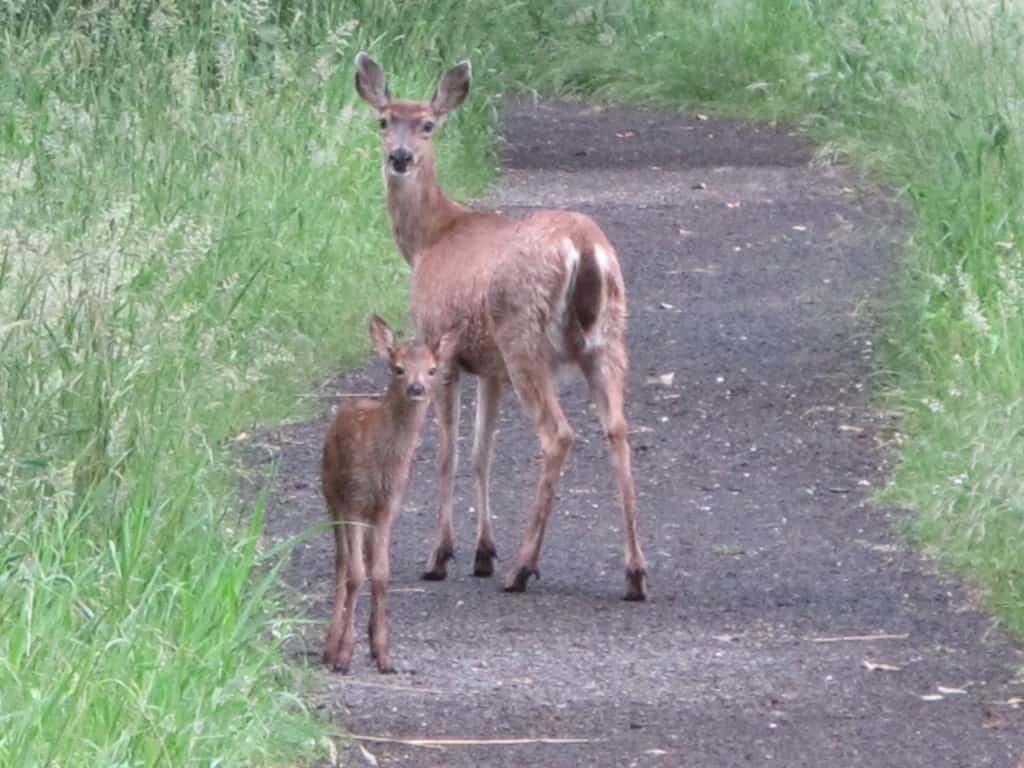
[(414, 366), (407, 127)]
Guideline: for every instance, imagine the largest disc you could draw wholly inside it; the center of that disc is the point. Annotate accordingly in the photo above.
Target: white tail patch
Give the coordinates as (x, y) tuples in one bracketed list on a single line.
[(603, 259), (572, 262), (555, 329), (595, 337)]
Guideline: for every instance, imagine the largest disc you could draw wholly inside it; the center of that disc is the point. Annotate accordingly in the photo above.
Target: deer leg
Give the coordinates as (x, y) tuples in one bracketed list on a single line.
[(372, 624), (446, 407), (379, 543), (354, 576), (488, 396), (534, 385), (605, 371), (332, 645)]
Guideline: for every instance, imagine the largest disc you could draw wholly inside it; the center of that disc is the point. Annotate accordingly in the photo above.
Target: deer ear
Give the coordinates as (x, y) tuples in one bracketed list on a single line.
[(383, 337), (452, 90), (370, 83)]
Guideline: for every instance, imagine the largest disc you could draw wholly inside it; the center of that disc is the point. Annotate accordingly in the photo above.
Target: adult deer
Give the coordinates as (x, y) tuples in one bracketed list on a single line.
[(531, 296)]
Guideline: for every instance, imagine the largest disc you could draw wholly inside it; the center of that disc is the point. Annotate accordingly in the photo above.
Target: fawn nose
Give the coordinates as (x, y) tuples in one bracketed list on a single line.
[(400, 159), (416, 390)]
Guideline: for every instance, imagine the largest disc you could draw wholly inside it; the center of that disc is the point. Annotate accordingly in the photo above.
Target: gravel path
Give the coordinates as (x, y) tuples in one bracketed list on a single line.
[(753, 274)]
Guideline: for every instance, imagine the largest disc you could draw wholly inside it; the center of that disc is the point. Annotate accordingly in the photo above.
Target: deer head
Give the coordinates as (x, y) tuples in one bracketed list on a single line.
[(407, 127), (413, 365)]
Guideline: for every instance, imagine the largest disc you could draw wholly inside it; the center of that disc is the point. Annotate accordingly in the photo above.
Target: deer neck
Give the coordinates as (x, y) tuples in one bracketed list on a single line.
[(418, 209), (403, 419)]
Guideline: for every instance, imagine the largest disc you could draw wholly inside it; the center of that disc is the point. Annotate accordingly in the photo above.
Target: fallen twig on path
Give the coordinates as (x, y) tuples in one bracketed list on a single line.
[(878, 666), (469, 742), (393, 687), (857, 638)]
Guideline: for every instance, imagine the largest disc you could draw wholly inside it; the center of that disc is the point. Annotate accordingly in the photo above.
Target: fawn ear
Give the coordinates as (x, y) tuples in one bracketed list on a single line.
[(370, 83), (452, 90), (383, 337)]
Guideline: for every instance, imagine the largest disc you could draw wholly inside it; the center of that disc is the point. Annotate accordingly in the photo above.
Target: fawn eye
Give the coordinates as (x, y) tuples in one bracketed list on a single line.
[(399, 370), (383, 123), (432, 371), (428, 127)]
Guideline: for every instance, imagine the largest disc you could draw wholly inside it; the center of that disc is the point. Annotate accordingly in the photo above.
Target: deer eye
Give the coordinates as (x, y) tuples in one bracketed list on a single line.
[(398, 370), (432, 371), (428, 127), (383, 123)]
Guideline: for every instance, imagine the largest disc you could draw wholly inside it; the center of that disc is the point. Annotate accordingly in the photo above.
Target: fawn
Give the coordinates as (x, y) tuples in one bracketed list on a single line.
[(366, 461), (532, 295)]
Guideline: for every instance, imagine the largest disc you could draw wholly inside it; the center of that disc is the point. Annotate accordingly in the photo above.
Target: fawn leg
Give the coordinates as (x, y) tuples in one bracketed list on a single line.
[(379, 544), (332, 646), (355, 575)]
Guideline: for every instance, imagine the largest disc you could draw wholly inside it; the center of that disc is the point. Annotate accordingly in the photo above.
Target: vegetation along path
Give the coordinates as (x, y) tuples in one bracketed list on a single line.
[(788, 621)]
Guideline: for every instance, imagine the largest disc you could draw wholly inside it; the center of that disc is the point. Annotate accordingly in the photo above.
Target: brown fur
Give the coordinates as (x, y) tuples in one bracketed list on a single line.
[(530, 296), (366, 461)]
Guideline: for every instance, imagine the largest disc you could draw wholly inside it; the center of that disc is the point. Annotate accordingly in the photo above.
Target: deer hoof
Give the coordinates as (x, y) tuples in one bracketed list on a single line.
[(517, 580), (439, 570), (636, 585), (386, 668), (334, 661), (340, 666), (483, 564)]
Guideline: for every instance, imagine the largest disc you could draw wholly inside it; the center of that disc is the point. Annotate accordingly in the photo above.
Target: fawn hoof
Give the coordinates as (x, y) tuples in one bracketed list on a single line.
[(337, 657), (386, 667), (337, 663), (516, 581), (483, 564), (333, 661), (437, 566), (636, 585)]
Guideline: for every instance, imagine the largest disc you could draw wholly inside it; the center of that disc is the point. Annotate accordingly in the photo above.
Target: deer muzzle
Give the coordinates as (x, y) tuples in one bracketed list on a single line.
[(399, 160)]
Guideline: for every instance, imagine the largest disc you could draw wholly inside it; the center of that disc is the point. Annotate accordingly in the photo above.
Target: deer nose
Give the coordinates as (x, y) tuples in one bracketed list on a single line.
[(416, 390), (400, 159)]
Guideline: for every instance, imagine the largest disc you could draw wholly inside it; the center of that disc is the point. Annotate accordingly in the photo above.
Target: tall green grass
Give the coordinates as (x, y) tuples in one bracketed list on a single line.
[(191, 233), (929, 94)]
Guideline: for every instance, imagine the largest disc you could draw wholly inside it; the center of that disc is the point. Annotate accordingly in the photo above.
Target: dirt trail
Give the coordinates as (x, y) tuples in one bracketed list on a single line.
[(751, 270)]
